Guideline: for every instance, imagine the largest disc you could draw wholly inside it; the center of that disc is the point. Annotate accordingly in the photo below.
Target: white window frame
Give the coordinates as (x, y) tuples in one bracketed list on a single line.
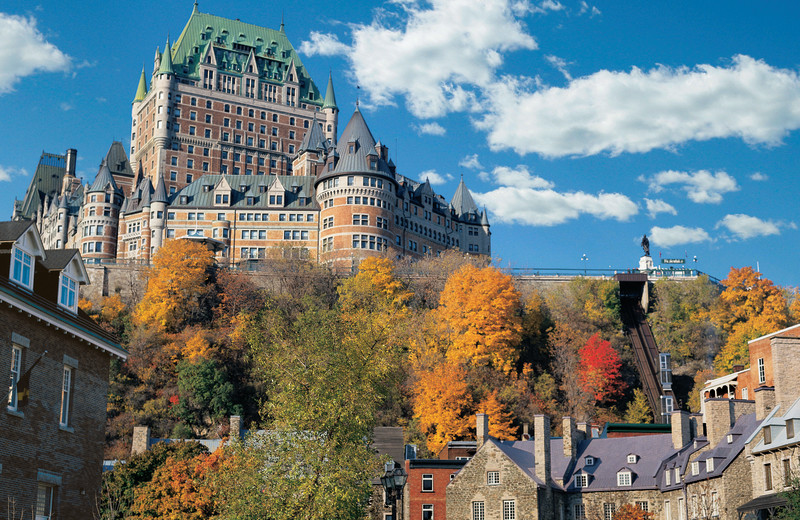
[(16, 372), (66, 392), (492, 478), (68, 293), (667, 510), (624, 478), (589, 461), (695, 468), (427, 508), (709, 465), (581, 480), (509, 510), (668, 478), (579, 511), (609, 510), (762, 375), (44, 503), (478, 510), (427, 478), (632, 459), (23, 259)]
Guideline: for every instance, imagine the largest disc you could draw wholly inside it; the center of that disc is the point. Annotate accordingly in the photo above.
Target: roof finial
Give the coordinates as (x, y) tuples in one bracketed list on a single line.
[(195, 6), (282, 26)]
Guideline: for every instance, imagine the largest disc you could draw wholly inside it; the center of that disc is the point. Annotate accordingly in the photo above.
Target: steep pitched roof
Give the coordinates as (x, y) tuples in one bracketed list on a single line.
[(231, 42), (462, 200), (141, 90), (330, 96), (314, 140), (46, 181), (12, 230), (117, 160), (166, 60), (103, 179), (160, 193), (197, 196)]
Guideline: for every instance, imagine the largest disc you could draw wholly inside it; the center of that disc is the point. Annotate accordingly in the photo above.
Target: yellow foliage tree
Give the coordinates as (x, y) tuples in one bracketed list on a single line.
[(375, 278), (112, 307), (750, 306), (197, 347), (500, 420), (442, 404), (479, 312), (175, 286)]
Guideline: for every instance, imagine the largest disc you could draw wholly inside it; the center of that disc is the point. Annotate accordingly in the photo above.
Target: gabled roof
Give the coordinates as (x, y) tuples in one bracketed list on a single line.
[(103, 180), (198, 197), (462, 200), (11, 231), (61, 259)]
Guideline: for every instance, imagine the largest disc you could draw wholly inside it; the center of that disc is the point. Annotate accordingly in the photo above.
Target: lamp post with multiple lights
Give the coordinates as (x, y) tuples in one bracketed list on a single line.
[(393, 480)]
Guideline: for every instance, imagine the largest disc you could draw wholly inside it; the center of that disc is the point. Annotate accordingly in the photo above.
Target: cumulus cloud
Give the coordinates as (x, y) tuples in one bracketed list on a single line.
[(530, 200), (758, 176), (518, 177), (677, 235), (7, 173), (638, 111), (746, 226), (436, 56), (471, 162), (586, 8), (435, 178), (430, 129), (701, 186), (547, 5), (560, 65), (25, 51), (654, 207)]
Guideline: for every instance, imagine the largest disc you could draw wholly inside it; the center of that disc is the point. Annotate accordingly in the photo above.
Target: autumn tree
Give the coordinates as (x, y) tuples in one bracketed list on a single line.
[(599, 370), (632, 512), (638, 409), (500, 420), (479, 311), (177, 288), (749, 307), (443, 404)]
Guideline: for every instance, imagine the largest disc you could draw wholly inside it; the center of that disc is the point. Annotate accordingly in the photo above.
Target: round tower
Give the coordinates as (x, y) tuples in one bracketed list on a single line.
[(162, 86), (356, 194), (158, 212), (101, 218), (331, 112), (136, 107)]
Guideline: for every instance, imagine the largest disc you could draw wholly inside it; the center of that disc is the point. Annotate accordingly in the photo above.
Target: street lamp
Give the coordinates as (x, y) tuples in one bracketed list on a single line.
[(393, 480), (584, 258)]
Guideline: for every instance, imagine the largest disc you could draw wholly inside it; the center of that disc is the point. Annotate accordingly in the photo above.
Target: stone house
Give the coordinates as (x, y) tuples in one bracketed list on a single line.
[(57, 360)]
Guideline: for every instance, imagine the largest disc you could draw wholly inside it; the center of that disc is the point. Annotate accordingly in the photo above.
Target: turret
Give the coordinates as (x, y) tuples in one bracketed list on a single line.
[(63, 220), (141, 90), (158, 210), (331, 112)]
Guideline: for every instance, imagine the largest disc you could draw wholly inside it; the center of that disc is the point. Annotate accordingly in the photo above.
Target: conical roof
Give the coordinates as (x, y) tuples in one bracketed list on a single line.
[(330, 97), (147, 194), (160, 193), (166, 60), (62, 202), (141, 91), (484, 218), (314, 140), (462, 201), (103, 179)]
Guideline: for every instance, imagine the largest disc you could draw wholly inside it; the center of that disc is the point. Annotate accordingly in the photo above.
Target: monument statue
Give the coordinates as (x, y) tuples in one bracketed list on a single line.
[(646, 245)]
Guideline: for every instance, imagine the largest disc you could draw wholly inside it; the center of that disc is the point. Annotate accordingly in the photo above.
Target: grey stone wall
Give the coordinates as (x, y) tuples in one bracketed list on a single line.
[(786, 370)]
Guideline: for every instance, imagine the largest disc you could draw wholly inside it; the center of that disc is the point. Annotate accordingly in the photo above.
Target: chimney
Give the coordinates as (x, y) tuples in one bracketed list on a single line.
[(526, 436), (765, 401), (236, 427), (681, 429), (586, 429), (481, 428), (738, 368), (72, 156), (571, 437), (541, 439), (719, 419), (785, 367), (141, 439)]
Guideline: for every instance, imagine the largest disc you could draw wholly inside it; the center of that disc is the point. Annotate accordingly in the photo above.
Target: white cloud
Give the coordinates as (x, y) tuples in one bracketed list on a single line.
[(560, 65), (471, 162), (435, 178), (6, 173), (701, 186), (654, 207), (677, 235), (746, 226), (518, 177), (430, 129), (323, 45), (66, 107), (435, 57), (547, 5), (24, 51), (586, 8), (758, 176), (638, 111)]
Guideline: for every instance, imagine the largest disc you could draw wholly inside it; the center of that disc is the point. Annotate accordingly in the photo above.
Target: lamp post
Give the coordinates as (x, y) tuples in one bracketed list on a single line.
[(393, 480), (584, 259)]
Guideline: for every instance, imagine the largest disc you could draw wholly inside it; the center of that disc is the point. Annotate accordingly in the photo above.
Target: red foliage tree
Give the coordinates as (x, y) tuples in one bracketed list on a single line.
[(599, 370)]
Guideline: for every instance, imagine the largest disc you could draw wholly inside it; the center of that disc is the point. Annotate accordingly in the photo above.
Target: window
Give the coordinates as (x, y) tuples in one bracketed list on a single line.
[(44, 502), (767, 477), (789, 428), (632, 458), (667, 477), (492, 478), (478, 511), (360, 220), (427, 511), (762, 376), (16, 367), (509, 510), (624, 478), (21, 268), (695, 468), (787, 472), (767, 435), (590, 461), (581, 480), (677, 476), (714, 504), (65, 393), (681, 509), (427, 482), (68, 294), (709, 465), (608, 511), (580, 511), (642, 505), (730, 439), (667, 510)]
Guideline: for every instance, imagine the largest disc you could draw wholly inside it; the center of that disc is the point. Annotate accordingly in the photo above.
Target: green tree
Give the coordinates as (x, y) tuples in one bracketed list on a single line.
[(638, 409), (792, 496), (205, 395)]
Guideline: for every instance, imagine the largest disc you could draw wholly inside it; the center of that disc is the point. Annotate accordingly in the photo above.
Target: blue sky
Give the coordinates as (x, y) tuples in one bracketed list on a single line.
[(579, 125)]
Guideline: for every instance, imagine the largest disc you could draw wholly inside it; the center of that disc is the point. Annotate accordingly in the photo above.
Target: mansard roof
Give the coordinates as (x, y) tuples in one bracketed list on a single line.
[(231, 42), (295, 186)]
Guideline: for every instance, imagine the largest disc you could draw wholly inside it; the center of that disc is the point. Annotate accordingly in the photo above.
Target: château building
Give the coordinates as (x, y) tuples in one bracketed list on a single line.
[(233, 145)]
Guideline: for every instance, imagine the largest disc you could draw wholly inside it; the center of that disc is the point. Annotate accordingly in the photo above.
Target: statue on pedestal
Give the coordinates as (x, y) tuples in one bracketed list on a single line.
[(646, 245)]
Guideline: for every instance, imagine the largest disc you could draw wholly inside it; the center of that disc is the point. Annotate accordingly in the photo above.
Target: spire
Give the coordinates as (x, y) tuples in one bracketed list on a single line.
[(141, 92), (195, 8), (104, 179), (330, 97), (484, 218), (462, 200), (282, 26), (160, 194), (166, 60), (139, 176)]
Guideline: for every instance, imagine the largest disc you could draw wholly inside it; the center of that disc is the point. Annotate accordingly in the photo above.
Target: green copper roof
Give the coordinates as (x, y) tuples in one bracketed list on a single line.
[(231, 42), (330, 97), (141, 91), (166, 60)]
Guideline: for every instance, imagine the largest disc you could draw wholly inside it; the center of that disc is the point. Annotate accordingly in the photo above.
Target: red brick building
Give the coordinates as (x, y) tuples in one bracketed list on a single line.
[(52, 421), (425, 497)]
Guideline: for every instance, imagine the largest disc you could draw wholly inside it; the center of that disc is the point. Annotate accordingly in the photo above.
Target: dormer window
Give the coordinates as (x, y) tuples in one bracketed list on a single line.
[(221, 198), (709, 465), (633, 459), (789, 428), (21, 268), (184, 199), (695, 468), (730, 439), (767, 435), (68, 293), (624, 478), (667, 478), (589, 461), (373, 164), (250, 201), (581, 480), (351, 147), (244, 187)]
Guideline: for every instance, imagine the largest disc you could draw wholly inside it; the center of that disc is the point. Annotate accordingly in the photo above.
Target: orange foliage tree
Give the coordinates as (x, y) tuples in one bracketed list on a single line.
[(500, 420), (442, 404), (479, 311), (176, 285), (749, 307), (632, 512), (599, 370)]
